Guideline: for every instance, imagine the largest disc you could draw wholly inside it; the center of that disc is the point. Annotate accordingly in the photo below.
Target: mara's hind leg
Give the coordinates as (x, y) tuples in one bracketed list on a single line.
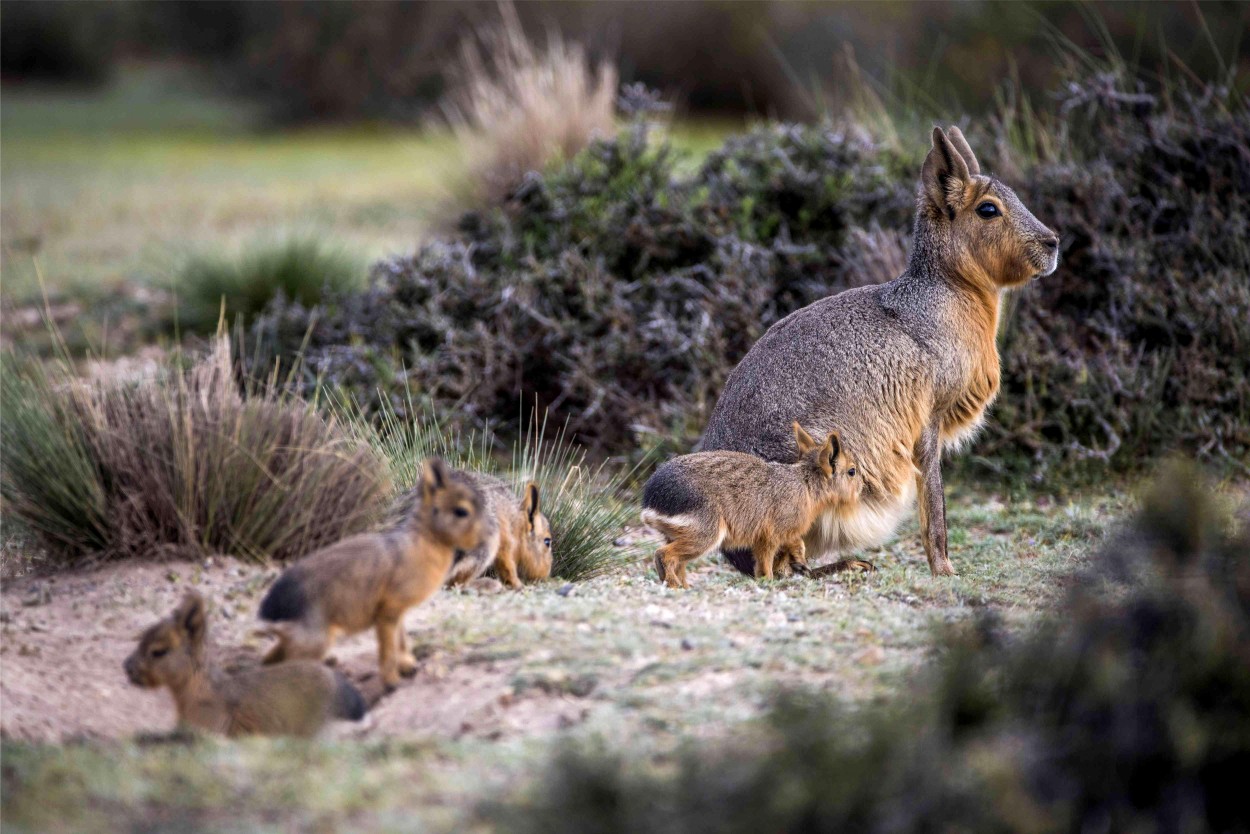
[(298, 641), (842, 566), (670, 560)]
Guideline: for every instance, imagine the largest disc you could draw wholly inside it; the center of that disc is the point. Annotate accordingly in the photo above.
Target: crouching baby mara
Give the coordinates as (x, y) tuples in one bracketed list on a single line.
[(292, 699), (707, 500)]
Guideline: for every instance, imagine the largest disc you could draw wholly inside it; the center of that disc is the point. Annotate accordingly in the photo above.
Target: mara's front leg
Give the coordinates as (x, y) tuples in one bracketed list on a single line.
[(931, 498)]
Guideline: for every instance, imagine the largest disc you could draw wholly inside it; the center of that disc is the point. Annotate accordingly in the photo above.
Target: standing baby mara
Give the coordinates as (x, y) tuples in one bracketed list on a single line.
[(707, 500), (371, 580), (292, 699)]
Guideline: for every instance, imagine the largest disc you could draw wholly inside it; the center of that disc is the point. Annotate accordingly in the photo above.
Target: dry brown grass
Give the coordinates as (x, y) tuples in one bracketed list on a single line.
[(182, 462), (519, 106)]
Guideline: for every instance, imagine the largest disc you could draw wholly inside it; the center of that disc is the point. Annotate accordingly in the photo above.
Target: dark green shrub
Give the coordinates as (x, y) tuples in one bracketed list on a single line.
[(1128, 711), (181, 463), (299, 268), (621, 293)]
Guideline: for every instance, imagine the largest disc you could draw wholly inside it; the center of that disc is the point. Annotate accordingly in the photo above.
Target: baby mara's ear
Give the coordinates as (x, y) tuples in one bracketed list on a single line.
[(803, 439), (434, 477), (829, 451), (191, 618), (529, 503)]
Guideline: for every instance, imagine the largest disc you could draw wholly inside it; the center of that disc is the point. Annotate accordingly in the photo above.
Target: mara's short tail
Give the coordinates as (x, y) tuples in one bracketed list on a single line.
[(286, 600), (349, 704)]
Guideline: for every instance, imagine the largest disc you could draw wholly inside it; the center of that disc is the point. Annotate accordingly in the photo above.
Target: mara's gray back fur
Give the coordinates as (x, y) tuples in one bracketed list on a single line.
[(902, 369)]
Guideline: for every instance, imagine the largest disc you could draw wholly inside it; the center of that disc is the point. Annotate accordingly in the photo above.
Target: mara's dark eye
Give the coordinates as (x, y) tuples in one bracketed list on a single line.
[(988, 210), (460, 512), (158, 653), (850, 473), (546, 542)]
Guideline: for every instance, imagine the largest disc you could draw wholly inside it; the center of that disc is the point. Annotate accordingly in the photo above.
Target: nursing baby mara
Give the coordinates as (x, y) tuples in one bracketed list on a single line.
[(707, 500)]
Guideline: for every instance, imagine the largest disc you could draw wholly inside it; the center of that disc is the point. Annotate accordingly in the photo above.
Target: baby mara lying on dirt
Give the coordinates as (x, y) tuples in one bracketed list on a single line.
[(292, 699), (708, 500)]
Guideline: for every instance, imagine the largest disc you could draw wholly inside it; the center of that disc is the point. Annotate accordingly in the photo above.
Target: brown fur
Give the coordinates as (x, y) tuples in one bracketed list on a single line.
[(907, 368), (293, 699), (516, 536), (371, 580), (699, 502)]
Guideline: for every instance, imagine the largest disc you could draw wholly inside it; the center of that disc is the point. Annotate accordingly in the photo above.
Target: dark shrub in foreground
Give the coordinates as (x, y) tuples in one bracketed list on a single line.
[(621, 293), (181, 463), (1128, 711)]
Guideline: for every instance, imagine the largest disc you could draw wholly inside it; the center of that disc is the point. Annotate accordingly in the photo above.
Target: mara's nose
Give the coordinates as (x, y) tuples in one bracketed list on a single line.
[(1051, 242)]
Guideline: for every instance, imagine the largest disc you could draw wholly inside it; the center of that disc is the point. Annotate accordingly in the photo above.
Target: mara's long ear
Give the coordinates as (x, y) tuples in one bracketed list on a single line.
[(192, 618), (805, 441), (944, 175), (434, 477), (529, 503), (961, 145), (829, 453)]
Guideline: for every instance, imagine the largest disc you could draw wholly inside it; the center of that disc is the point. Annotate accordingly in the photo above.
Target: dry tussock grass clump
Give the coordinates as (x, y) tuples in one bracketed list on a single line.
[(183, 463), (521, 107)]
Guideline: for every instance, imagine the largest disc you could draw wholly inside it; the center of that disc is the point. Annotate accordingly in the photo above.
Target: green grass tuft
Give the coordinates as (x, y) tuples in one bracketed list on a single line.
[(298, 268)]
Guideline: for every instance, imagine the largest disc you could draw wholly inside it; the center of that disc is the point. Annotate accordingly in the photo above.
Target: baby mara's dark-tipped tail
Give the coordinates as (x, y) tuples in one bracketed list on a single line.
[(349, 704), (285, 601)]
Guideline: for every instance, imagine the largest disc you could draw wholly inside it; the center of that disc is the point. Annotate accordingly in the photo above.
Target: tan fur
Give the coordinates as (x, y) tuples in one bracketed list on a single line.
[(907, 368), (739, 500), (293, 699), (516, 538), (371, 580)]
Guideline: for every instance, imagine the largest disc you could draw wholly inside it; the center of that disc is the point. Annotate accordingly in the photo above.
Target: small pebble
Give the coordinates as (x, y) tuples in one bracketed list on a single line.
[(686, 644), (565, 589)]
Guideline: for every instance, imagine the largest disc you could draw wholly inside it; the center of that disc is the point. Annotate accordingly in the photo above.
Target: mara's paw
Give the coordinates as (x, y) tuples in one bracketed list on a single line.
[(943, 567), (407, 666)]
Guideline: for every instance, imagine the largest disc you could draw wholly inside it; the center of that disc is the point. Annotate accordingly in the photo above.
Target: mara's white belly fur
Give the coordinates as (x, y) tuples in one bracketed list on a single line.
[(867, 525)]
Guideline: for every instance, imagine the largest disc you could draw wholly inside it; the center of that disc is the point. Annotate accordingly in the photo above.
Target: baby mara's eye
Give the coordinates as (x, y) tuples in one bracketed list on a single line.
[(547, 542), (987, 210), (156, 654), (460, 512), (850, 473)]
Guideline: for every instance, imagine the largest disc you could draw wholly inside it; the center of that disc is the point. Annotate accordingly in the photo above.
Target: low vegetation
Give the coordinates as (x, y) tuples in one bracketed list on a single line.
[(621, 291), (181, 463), (1130, 706), (213, 285)]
